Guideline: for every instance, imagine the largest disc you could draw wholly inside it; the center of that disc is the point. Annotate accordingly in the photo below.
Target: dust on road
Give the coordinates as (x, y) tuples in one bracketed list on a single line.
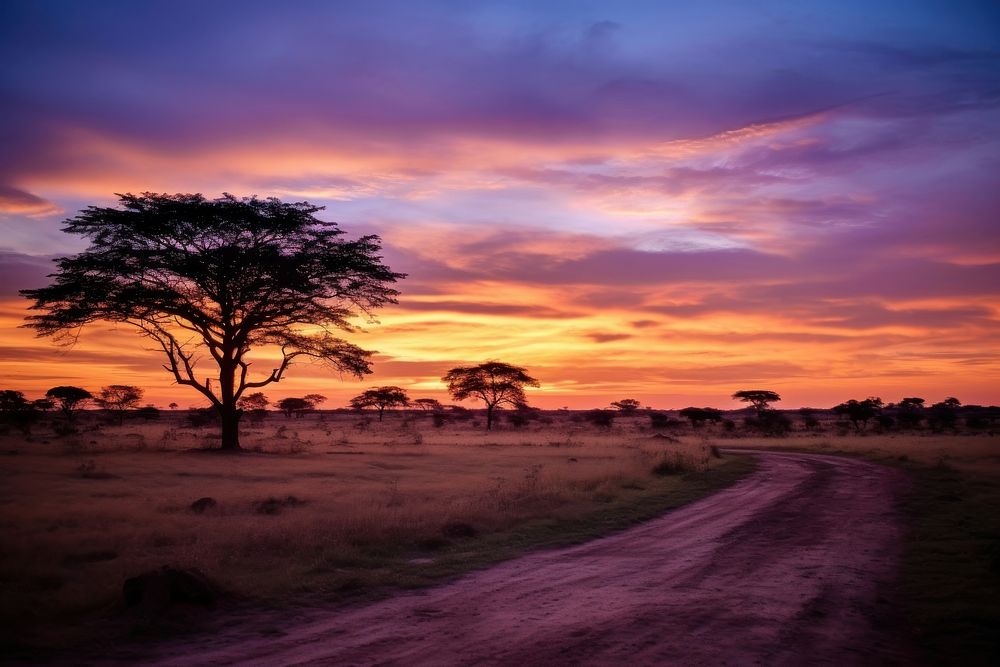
[(787, 567)]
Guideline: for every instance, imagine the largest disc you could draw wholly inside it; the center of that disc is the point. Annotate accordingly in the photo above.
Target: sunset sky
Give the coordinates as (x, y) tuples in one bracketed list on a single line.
[(660, 200)]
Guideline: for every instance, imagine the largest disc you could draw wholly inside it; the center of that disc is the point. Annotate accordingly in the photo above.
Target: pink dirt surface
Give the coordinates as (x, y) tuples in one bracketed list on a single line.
[(787, 567)]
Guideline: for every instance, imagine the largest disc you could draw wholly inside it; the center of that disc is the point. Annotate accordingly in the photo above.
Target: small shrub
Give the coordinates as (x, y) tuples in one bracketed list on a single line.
[(669, 466)]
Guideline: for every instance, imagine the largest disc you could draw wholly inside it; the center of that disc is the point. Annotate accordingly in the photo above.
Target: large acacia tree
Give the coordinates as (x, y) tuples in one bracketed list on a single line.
[(213, 279), (494, 383)]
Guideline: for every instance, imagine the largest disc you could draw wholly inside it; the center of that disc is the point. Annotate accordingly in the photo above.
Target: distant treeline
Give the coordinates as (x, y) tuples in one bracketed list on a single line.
[(115, 403)]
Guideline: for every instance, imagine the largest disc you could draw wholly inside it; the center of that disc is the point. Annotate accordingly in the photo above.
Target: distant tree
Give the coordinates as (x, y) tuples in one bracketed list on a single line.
[(944, 414), (910, 412), (173, 406), (381, 398), (294, 406), (428, 404), (699, 416), (495, 383), (859, 413), (316, 399), (119, 398), (70, 399), (16, 410), (760, 399), (627, 406), (255, 401), (224, 276), (254, 406)]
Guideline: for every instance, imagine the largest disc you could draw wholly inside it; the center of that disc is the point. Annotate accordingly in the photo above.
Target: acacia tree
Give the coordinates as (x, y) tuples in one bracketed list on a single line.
[(223, 276), (760, 399), (70, 399), (428, 404), (494, 383), (381, 398), (119, 398), (627, 406)]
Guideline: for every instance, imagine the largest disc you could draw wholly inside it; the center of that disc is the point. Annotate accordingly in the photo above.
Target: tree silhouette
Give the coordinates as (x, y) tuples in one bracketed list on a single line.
[(626, 406), (944, 414), (910, 412), (381, 398), (221, 276), (859, 413), (255, 401), (494, 383), (16, 410), (119, 398), (70, 399), (758, 398), (294, 405), (428, 404)]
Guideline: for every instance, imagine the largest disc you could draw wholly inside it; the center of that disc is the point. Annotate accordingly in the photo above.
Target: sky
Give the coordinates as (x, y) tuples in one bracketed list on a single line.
[(660, 200)]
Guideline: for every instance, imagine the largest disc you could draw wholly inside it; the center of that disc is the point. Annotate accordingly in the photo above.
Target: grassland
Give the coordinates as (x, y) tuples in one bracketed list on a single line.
[(361, 508), (324, 508)]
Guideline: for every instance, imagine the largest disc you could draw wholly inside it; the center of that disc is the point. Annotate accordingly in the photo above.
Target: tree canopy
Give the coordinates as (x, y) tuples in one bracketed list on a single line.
[(70, 399), (859, 413), (495, 383), (760, 399), (119, 398), (222, 276), (381, 398), (627, 406)]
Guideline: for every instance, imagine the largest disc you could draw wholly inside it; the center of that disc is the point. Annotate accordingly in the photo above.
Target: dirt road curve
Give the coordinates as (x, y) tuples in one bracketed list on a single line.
[(784, 568)]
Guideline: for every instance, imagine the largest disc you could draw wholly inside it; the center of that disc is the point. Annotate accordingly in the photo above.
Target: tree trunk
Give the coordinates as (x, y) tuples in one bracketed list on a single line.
[(380, 411), (230, 418), (489, 417)]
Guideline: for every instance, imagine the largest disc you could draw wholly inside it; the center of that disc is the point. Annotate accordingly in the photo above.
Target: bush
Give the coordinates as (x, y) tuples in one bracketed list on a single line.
[(769, 422), (669, 466), (601, 418), (659, 420), (199, 417), (148, 413)]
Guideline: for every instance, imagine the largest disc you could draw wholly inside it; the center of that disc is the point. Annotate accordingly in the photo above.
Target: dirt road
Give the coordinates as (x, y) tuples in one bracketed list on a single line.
[(785, 568)]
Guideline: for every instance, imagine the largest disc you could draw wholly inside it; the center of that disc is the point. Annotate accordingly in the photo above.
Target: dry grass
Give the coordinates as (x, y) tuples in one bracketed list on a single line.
[(369, 509)]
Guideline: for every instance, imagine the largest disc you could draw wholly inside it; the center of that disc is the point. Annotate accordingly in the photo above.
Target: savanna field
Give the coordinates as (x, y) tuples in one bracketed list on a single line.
[(337, 507)]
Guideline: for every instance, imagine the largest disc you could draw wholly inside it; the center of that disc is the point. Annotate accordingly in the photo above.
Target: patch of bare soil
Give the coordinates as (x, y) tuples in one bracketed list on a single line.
[(788, 567)]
